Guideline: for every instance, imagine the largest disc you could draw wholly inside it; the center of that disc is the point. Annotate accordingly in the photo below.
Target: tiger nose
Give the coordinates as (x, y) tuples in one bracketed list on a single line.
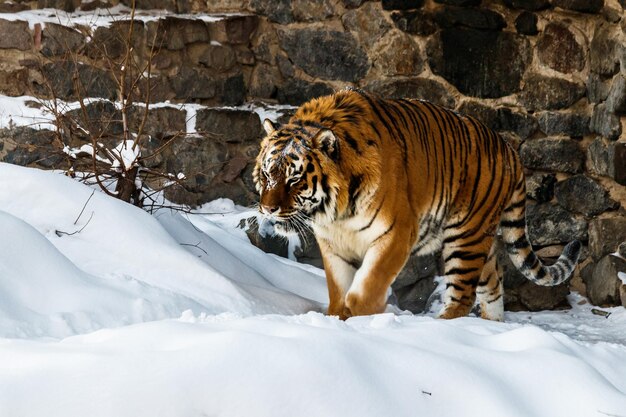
[(269, 209)]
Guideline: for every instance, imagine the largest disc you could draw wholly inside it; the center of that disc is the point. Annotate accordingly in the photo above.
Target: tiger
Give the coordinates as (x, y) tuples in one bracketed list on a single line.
[(378, 180)]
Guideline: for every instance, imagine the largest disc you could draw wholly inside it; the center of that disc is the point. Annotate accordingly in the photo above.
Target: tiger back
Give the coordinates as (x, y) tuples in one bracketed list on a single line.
[(378, 180)]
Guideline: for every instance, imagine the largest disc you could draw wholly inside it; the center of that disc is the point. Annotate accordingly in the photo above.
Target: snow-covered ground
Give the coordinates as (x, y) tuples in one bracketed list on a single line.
[(106, 310)]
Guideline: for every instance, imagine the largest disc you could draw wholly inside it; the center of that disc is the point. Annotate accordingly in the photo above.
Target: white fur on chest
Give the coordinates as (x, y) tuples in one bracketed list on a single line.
[(348, 238)]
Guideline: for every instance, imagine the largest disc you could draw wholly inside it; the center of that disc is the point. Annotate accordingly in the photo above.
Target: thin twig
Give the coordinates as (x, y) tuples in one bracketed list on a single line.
[(84, 206), (195, 246), (60, 232)]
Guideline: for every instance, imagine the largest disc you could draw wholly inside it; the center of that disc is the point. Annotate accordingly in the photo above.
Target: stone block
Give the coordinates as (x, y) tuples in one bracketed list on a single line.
[(368, 23), (603, 57), (483, 19), (263, 81), (174, 33), (15, 35), (608, 159), (558, 49), (530, 5), (65, 5), (563, 155), (218, 57), (312, 10), (111, 41), (540, 187), (415, 22), (486, 114), (229, 126), (526, 24), (479, 63), (58, 40), (94, 82), (402, 4), (597, 87), (547, 93), (398, 55), (583, 6), (15, 83), (581, 194), (523, 124), (101, 118), (559, 123), (325, 53), (605, 235), (459, 2), (416, 88), (603, 289), (191, 84), (353, 4), (160, 122), (234, 30), (616, 100), (278, 11), (549, 224), (605, 122), (296, 91)]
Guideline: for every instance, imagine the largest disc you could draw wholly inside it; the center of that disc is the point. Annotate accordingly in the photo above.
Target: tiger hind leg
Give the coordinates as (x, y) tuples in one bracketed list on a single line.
[(490, 289), (464, 260)]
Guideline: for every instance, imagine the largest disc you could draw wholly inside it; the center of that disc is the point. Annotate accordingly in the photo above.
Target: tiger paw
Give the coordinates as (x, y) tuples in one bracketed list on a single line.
[(359, 305)]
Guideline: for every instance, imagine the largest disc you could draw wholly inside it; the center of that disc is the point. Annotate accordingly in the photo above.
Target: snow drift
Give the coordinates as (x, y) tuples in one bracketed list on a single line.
[(115, 312)]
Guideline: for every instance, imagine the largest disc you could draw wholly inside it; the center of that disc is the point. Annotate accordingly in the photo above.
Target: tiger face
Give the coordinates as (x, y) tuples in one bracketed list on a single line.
[(288, 176)]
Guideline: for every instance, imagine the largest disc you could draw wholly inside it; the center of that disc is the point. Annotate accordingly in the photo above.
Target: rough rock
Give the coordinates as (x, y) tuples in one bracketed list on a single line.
[(234, 29), (616, 100), (605, 122), (617, 167), (563, 155), (95, 82), (58, 40), (584, 6), (603, 58), (15, 83), (262, 81), (550, 224), (368, 23), (160, 122), (296, 91), (419, 88), (312, 10), (484, 19), (325, 53), (398, 55), (605, 235), (597, 87), (101, 118), (526, 24), (540, 187), (523, 124), (217, 57), (546, 93), (402, 4), (15, 35), (65, 5), (574, 125), (603, 289), (558, 49), (581, 194), (229, 126), (486, 114), (174, 33), (415, 22), (353, 4), (530, 5), (598, 156), (459, 2), (480, 63), (110, 41), (191, 83), (278, 11), (415, 283)]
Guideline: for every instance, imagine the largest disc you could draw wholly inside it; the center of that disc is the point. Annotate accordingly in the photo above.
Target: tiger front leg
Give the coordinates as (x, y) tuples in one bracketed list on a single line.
[(381, 265), (339, 276)]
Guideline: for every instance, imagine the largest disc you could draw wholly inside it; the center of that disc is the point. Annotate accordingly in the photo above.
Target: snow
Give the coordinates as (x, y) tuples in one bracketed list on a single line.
[(102, 17), (106, 310)]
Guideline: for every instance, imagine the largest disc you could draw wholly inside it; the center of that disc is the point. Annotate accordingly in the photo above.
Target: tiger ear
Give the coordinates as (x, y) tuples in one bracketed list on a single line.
[(269, 126), (326, 141)]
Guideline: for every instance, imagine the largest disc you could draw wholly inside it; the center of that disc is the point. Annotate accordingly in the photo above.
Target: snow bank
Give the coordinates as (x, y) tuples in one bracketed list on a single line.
[(167, 315)]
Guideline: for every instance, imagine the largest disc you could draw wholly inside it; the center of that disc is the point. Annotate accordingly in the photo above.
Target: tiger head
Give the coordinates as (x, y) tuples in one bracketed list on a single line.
[(294, 173)]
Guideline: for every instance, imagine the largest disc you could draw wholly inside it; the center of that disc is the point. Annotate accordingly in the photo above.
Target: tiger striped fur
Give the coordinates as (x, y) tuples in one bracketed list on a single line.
[(379, 180)]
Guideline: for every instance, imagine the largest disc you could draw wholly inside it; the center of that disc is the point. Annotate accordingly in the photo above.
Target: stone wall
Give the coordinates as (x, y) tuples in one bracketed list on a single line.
[(550, 75)]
